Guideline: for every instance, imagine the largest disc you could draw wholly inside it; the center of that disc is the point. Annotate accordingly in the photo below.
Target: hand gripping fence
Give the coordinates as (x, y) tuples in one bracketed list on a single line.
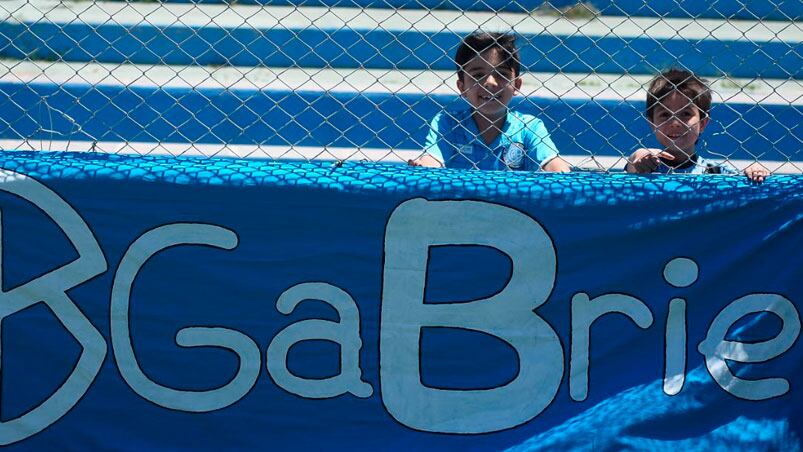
[(363, 79)]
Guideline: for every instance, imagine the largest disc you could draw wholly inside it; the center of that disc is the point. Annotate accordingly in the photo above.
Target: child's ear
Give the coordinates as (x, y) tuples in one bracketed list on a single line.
[(704, 123), (517, 83), (460, 85)]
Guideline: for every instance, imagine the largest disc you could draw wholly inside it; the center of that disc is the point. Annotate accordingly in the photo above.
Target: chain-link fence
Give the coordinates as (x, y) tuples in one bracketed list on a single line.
[(363, 79)]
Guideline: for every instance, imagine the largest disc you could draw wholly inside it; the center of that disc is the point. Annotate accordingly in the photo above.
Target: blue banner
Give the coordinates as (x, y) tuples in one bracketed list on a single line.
[(175, 303)]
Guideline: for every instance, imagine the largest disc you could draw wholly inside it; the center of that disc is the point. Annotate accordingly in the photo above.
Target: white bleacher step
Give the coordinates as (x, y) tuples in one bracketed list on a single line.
[(580, 87), (546, 85), (418, 20)]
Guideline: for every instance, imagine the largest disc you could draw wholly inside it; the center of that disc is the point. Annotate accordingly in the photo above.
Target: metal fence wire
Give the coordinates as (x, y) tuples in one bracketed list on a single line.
[(363, 79)]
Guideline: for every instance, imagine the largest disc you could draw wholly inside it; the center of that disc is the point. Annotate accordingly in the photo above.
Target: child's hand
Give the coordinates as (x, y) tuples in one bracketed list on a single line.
[(425, 160), (646, 160), (756, 172)]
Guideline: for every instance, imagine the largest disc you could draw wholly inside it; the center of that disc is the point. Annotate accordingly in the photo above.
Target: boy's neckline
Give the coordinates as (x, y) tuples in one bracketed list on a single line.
[(689, 162), (498, 130)]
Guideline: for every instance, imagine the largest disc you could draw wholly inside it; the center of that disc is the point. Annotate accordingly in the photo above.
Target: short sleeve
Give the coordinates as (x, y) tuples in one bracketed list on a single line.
[(434, 141), (539, 144)]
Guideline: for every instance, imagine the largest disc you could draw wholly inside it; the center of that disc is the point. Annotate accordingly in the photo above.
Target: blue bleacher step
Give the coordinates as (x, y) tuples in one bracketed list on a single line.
[(587, 115)]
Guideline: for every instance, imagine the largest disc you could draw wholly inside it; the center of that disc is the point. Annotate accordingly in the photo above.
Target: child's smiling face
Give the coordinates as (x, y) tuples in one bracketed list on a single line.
[(488, 85), (677, 123)]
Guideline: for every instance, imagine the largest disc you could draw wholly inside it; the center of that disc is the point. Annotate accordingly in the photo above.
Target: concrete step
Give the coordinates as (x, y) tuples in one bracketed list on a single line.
[(784, 10), (591, 115), (539, 84)]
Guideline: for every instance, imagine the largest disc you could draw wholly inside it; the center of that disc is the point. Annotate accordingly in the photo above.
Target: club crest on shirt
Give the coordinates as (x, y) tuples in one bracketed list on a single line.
[(465, 149), (514, 155)]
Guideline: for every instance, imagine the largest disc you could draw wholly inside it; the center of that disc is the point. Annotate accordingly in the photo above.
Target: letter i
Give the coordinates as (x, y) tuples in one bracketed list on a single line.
[(679, 272)]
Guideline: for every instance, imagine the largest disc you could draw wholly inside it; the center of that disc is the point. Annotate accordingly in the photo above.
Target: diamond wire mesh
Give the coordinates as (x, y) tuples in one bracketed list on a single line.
[(362, 79)]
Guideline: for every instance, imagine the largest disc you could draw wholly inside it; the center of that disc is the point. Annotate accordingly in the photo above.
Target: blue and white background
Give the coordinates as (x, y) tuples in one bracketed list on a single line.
[(362, 79), (171, 303)]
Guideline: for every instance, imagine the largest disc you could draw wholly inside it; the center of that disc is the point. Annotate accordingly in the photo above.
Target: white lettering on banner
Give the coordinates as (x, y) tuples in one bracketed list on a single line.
[(145, 247), (51, 289), (584, 312), (717, 349), (678, 272), (675, 353), (346, 332), (413, 228)]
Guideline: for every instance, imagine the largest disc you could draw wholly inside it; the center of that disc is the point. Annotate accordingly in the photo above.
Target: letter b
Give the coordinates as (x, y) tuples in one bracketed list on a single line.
[(414, 227)]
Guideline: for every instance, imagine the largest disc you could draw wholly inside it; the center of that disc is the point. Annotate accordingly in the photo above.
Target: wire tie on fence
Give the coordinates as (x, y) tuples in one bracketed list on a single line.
[(336, 164)]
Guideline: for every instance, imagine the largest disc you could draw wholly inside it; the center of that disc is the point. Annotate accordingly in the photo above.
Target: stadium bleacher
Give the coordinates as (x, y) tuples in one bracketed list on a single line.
[(362, 79)]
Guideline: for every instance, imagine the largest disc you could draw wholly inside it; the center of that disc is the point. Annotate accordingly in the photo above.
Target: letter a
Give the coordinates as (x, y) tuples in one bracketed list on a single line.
[(346, 333)]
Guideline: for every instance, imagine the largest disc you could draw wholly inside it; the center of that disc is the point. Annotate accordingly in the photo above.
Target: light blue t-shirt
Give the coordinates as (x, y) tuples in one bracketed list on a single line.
[(523, 145)]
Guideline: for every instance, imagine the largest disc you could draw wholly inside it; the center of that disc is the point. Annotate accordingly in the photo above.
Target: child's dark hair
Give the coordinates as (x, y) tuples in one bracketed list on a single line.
[(683, 81), (478, 42)]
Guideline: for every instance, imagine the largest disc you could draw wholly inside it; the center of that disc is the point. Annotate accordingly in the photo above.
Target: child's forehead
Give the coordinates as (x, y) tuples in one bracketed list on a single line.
[(675, 101), (488, 57)]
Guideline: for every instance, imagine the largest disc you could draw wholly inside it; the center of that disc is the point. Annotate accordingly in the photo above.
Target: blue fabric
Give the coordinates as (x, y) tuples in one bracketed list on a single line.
[(523, 144), (424, 280)]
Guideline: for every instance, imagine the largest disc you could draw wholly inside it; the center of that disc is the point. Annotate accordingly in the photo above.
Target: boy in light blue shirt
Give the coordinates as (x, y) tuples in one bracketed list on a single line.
[(485, 134)]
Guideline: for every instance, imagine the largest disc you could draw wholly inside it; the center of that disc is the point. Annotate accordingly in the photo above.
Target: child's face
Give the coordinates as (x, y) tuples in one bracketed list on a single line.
[(677, 123), (487, 85)]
